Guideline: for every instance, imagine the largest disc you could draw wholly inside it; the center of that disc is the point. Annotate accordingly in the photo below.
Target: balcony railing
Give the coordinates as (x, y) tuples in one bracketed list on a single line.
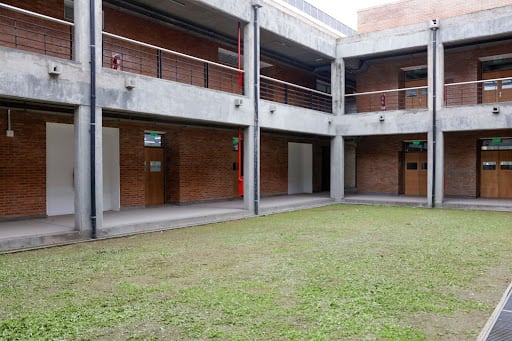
[(382, 100), (478, 92), (124, 54), (283, 92), (34, 32)]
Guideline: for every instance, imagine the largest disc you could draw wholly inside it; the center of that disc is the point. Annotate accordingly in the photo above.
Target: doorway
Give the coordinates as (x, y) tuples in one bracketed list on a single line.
[(496, 168), (415, 168), (154, 169)]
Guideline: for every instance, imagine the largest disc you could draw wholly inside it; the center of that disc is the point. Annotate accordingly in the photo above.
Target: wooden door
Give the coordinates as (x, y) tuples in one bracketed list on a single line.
[(415, 173), (505, 174), (497, 91), (416, 98), (154, 172), (489, 174)]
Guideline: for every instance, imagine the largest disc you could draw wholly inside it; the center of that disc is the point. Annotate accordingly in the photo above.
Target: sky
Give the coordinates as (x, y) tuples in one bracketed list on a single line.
[(346, 10)]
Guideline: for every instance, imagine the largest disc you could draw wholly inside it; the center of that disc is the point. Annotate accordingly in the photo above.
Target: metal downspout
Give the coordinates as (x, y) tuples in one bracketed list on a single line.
[(92, 128), (256, 6), (434, 113)]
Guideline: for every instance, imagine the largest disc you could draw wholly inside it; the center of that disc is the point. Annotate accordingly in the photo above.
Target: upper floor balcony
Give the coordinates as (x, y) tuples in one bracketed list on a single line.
[(151, 41)]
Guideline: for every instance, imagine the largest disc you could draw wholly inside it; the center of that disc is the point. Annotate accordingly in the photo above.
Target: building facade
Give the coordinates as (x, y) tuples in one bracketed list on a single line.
[(118, 104)]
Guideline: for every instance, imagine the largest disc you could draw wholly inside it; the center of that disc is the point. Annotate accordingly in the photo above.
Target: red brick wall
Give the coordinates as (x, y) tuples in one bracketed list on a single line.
[(23, 166), (378, 163), (407, 12), (383, 75), (461, 161)]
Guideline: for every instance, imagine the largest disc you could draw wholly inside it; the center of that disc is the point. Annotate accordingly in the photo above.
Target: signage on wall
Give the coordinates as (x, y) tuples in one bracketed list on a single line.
[(496, 140)]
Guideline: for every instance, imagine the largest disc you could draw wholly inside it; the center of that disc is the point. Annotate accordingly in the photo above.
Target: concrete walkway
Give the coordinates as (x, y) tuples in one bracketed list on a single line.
[(33, 233)]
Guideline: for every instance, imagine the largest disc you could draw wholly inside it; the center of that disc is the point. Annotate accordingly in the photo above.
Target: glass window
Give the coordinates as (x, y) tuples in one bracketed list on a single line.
[(412, 93), (152, 140), (424, 166), (506, 84), (412, 165), (69, 10), (497, 144), (416, 146), (420, 73), (155, 166), (491, 85), (506, 165), (489, 165), (497, 64)]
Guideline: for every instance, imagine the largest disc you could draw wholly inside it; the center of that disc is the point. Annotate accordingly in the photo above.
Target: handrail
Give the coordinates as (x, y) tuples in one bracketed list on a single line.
[(383, 91), (296, 86), (480, 81), (136, 42), (36, 15)]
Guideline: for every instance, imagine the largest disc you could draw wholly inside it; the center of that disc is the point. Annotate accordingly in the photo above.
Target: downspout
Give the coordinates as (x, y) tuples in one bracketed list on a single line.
[(434, 112), (92, 128), (256, 6)]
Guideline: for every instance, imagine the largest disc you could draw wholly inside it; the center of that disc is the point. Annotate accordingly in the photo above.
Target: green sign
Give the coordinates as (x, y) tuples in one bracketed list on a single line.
[(235, 139), (153, 134), (416, 143), (496, 140)]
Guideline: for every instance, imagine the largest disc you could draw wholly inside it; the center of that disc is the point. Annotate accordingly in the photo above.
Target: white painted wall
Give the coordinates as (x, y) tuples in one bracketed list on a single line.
[(60, 190), (300, 168)]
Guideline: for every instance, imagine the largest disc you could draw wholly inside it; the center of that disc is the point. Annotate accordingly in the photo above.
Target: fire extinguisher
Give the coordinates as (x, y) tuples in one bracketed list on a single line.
[(383, 102), (116, 61)]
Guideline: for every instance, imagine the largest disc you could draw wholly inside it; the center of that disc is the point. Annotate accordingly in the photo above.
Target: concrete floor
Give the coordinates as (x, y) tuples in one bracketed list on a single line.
[(31, 233)]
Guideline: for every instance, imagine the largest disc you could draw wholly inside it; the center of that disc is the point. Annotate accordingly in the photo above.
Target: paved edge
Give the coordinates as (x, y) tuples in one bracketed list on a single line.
[(484, 334)]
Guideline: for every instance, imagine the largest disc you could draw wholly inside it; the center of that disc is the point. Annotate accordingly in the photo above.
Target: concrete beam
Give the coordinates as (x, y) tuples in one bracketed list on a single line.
[(411, 37), (294, 119), (476, 117), (384, 123), (239, 9)]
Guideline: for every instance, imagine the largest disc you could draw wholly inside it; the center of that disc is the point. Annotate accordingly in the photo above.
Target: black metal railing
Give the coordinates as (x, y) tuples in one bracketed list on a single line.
[(34, 32), (287, 93)]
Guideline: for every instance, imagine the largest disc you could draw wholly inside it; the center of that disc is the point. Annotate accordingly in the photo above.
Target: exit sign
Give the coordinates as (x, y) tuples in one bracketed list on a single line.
[(496, 140)]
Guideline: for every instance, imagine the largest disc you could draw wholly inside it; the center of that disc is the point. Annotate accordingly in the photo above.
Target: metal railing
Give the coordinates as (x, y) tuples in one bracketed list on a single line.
[(392, 99), (34, 32), (121, 53), (478, 92), (283, 92)]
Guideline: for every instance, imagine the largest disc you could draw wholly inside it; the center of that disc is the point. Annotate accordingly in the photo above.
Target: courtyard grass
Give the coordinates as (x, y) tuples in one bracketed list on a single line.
[(331, 273)]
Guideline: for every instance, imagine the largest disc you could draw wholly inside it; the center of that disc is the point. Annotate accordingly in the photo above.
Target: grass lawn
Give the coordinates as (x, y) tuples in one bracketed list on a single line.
[(331, 273)]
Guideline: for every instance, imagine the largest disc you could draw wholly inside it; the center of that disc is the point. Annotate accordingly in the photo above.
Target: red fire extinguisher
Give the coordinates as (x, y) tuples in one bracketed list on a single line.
[(116, 61), (383, 102)]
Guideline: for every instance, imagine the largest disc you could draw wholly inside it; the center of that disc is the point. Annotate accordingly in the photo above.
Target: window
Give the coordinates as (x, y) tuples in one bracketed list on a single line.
[(415, 74), (152, 140), (497, 64), (506, 165), (489, 165), (490, 85), (497, 143), (412, 165), (69, 10), (323, 86)]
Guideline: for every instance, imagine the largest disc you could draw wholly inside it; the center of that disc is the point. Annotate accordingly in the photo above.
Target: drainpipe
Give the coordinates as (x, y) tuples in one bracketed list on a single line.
[(255, 7), (434, 29), (92, 129)]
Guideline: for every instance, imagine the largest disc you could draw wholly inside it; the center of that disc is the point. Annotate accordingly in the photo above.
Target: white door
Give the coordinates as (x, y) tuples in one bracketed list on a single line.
[(300, 168), (60, 192), (60, 189)]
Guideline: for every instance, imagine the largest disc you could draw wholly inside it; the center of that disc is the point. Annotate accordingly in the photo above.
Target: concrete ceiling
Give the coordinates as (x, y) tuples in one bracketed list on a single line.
[(200, 19)]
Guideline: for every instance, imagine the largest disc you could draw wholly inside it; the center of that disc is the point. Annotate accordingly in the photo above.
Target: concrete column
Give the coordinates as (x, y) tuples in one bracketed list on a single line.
[(435, 81), (337, 168), (338, 86), (82, 33), (250, 173), (439, 169), (82, 170), (350, 167)]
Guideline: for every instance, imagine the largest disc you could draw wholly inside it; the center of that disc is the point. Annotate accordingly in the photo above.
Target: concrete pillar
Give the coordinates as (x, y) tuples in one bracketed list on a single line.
[(252, 133), (439, 169), (435, 81), (337, 168), (82, 32), (82, 170), (350, 167), (82, 166), (338, 86)]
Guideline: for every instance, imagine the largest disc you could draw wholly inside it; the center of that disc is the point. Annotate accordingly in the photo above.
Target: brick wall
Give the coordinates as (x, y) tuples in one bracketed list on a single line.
[(461, 161), (383, 75), (378, 165), (23, 166), (407, 12)]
